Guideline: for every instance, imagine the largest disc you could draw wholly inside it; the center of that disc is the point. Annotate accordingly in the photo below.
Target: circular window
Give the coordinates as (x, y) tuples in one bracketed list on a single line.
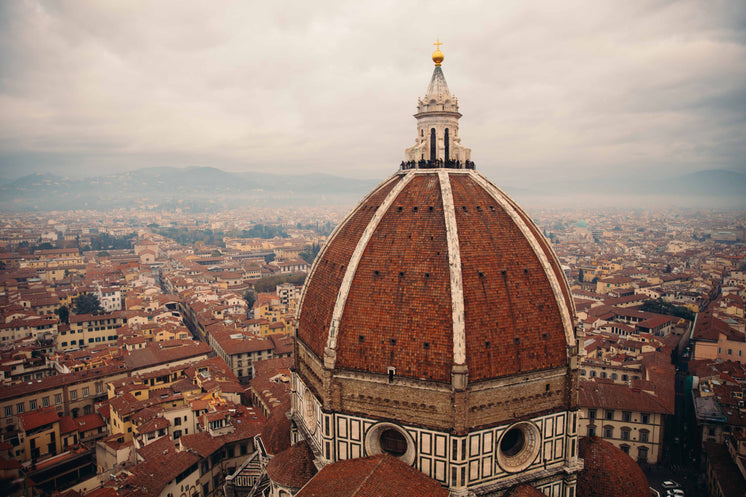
[(393, 442), (390, 439), (518, 447)]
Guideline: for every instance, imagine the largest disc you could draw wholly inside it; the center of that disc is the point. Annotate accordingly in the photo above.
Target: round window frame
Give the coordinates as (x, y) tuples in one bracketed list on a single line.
[(373, 442), (526, 456)]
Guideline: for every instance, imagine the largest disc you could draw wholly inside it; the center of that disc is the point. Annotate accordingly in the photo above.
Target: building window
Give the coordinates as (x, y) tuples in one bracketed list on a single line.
[(58, 398), (19, 407), (73, 394), (591, 431), (593, 374), (642, 454), (177, 434), (32, 404), (608, 432), (85, 391), (591, 414), (177, 421), (644, 435), (645, 419), (626, 416), (625, 377), (45, 402), (625, 448), (625, 433), (609, 414), (8, 411)]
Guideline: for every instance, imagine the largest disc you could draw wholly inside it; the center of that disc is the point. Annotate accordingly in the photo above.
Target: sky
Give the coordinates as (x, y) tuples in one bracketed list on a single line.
[(548, 90)]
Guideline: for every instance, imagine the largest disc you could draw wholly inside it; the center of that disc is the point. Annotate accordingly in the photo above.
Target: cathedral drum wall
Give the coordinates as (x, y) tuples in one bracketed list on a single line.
[(540, 448), (518, 397)]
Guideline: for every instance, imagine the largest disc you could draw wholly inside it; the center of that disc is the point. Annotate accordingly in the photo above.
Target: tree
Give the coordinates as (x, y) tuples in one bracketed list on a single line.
[(87, 303), (581, 274), (310, 252), (103, 253), (216, 253), (250, 298), (269, 257), (64, 314)]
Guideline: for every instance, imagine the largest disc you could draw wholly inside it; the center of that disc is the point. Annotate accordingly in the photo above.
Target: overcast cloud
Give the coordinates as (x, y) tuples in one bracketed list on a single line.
[(547, 89)]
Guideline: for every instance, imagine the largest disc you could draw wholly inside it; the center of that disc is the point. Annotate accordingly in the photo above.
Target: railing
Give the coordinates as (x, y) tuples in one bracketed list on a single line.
[(436, 164)]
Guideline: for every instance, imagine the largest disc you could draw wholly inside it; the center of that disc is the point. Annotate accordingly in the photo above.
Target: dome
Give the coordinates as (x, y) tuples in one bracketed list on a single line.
[(524, 490), (609, 472), (436, 270), (436, 327), (292, 467)]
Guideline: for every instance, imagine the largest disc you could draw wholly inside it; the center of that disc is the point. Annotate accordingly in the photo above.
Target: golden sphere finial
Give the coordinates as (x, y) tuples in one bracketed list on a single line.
[(437, 54)]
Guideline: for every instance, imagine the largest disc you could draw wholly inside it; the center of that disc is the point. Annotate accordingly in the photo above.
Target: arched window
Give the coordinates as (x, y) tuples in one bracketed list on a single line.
[(433, 145), (447, 146)]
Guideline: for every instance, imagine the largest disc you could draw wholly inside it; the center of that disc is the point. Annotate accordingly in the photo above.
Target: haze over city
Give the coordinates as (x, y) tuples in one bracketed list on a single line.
[(549, 91)]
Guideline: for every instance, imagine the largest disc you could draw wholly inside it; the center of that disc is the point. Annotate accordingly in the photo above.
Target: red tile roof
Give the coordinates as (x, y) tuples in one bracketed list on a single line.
[(604, 394), (292, 467), (40, 417), (276, 433), (524, 490), (402, 286), (375, 476), (609, 472)]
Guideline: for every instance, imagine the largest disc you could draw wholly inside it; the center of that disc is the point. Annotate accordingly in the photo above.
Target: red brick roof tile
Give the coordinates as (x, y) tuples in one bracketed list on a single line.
[(524, 490), (40, 417), (609, 472), (375, 476), (513, 314), (292, 467)]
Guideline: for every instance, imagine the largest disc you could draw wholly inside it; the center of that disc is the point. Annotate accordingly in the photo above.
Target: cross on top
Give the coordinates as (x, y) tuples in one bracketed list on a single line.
[(437, 44)]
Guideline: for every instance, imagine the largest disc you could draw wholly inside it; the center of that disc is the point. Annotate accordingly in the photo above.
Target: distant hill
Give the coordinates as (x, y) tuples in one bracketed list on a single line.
[(208, 189), (191, 188)]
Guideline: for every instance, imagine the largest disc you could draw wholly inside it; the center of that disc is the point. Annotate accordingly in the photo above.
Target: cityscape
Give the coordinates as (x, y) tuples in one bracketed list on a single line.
[(287, 289)]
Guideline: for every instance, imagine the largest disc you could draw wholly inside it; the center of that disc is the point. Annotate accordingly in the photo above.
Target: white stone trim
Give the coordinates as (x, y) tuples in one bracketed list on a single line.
[(454, 266), (502, 199), (344, 289), (331, 238)]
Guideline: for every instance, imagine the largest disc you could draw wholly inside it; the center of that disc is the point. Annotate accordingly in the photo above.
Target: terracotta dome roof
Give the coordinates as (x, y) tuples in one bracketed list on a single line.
[(524, 490), (609, 472), (276, 433), (436, 268), (381, 476), (292, 467)]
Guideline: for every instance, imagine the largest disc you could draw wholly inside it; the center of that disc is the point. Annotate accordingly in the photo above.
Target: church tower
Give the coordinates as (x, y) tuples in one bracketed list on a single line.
[(436, 326)]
